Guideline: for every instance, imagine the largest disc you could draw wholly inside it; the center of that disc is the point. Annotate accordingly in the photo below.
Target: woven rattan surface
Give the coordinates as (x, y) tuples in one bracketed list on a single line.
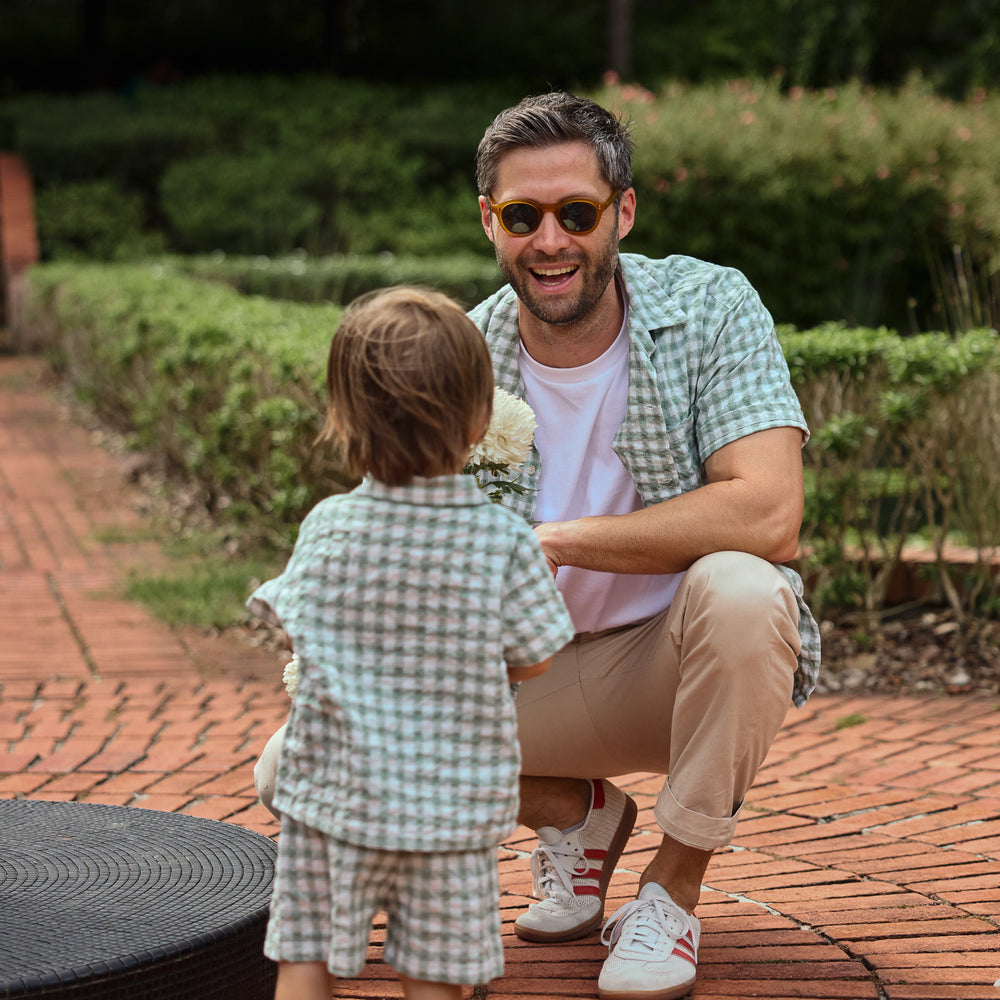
[(113, 901)]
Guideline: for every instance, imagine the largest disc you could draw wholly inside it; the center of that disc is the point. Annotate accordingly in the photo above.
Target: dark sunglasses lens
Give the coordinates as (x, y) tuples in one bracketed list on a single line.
[(578, 216), (520, 218)]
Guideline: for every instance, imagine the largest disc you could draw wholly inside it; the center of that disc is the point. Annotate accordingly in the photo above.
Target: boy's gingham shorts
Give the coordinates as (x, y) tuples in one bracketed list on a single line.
[(443, 908)]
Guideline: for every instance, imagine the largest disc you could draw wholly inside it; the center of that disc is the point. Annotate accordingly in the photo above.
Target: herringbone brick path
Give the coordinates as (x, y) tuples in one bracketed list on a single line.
[(866, 864)]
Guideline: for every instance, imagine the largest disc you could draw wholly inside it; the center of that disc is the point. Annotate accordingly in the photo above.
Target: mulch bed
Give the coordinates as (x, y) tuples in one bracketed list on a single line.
[(922, 651)]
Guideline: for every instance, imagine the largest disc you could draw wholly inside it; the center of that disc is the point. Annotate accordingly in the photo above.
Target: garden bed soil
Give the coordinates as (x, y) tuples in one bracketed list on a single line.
[(922, 651)]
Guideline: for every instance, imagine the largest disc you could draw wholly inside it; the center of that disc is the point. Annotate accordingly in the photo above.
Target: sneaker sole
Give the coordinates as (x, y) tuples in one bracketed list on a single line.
[(625, 826), (673, 993)]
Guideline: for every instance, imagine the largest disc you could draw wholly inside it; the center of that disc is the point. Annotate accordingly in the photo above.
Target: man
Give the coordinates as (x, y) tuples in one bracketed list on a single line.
[(665, 486)]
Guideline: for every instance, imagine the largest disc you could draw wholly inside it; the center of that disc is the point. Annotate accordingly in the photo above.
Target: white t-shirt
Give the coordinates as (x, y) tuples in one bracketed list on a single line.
[(579, 411)]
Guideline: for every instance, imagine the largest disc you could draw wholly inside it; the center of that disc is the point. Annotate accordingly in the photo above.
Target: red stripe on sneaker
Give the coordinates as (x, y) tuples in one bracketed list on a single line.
[(685, 949), (593, 854), (681, 953), (586, 890), (589, 873), (598, 802)]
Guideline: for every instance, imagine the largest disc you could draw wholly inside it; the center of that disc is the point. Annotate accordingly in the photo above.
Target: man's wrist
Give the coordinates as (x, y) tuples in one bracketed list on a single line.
[(560, 540)]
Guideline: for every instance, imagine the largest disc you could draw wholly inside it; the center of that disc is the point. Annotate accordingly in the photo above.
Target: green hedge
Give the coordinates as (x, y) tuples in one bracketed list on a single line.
[(905, 447), (226, 390), (838, 204), (339, 278), (229, 391), (266, 164), (93, 220)]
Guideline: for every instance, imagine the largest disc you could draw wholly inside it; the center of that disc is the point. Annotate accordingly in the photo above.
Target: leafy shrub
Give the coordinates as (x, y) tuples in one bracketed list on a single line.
[(226, 390), (837, 204), (339, 278), (92, 220), (242, 204), (105, 136), (906, 442)]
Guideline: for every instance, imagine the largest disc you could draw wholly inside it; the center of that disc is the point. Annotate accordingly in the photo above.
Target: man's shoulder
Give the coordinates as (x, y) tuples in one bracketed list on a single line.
[(495, 308), (679, 275)]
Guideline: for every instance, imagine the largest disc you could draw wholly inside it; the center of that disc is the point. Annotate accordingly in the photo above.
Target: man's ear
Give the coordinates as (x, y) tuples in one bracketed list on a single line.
[(626, 213), (487, 216)]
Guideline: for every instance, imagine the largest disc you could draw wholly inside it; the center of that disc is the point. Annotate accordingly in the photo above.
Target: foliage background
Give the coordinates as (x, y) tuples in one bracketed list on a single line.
[(843, 203), (527, 44)]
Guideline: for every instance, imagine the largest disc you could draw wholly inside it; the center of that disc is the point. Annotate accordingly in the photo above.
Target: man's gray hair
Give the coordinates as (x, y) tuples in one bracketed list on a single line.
[(552, 119)]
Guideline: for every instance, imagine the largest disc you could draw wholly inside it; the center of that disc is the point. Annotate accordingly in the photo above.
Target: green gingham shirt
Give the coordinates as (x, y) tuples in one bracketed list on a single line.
[(404, 605), (705, 369)]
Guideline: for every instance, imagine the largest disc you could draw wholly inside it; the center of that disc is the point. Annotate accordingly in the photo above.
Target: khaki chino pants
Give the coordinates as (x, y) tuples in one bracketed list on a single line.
[(696, 693)]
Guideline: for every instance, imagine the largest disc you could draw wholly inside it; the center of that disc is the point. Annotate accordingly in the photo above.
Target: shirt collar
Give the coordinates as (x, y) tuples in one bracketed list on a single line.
[(651, 307), (439, 491)]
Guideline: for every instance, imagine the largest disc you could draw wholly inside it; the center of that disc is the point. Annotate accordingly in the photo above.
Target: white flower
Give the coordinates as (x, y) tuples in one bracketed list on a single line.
[(508, 438), (290, 676)]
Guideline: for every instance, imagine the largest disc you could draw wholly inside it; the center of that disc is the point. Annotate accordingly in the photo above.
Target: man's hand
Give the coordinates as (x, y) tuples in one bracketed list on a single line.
[(541, 533)]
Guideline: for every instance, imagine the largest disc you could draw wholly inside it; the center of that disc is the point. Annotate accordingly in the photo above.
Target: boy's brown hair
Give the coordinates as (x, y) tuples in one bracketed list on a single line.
[(409, 385)]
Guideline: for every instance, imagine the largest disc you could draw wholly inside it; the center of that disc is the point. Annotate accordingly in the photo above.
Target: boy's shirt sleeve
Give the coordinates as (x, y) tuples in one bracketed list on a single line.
[(262, 601), (265, 601), (536, 622)]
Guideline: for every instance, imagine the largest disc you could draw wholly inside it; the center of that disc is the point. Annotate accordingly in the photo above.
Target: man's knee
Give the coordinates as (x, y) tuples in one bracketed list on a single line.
[(740, 616), (739, 588)]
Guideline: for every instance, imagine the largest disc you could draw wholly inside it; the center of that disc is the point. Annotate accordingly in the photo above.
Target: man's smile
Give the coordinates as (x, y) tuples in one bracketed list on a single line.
[(556, 274)]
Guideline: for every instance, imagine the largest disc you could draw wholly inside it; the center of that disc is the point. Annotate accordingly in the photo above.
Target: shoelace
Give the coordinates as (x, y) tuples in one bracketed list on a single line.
[(553, 867), (643, 923)]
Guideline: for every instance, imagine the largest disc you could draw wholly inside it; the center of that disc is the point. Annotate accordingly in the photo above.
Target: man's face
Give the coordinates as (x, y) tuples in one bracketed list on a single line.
[(559, 276)]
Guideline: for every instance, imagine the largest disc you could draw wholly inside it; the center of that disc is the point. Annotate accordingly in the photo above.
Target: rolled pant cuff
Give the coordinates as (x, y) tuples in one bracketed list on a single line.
[(706, 833)]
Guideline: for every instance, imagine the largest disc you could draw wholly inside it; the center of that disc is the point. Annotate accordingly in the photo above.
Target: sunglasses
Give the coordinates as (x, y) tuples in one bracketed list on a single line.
[(577, 216)]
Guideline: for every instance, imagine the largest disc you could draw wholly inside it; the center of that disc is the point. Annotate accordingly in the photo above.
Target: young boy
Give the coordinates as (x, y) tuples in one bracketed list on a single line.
[(411, 603)]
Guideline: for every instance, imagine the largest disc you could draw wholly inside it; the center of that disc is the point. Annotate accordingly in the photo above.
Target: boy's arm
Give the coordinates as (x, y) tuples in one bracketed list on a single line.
[(517, 674)]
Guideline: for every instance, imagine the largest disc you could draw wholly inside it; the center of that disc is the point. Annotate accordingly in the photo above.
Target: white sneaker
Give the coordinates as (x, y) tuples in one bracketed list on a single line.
[(571, 870), (653, 949)]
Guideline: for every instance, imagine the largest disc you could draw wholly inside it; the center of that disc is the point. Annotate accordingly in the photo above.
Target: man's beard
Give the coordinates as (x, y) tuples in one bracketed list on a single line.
[(595, 271)]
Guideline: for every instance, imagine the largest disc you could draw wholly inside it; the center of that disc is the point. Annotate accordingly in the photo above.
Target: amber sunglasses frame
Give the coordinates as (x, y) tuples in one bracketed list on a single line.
[(555, 207)]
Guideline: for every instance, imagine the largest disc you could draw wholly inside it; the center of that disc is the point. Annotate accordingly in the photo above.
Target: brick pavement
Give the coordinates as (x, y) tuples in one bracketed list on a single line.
[(866, 864)]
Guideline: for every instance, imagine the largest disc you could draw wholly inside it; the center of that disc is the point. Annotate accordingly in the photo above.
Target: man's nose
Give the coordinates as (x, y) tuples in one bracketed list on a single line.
[(550, 236)]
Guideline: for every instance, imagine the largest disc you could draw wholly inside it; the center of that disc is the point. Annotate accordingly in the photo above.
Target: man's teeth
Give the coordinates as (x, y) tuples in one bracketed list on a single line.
[(553, 272)]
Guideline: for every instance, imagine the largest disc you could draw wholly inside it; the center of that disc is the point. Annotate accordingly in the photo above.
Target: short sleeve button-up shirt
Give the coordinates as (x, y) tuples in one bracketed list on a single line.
[(705, 369), (405, 604)]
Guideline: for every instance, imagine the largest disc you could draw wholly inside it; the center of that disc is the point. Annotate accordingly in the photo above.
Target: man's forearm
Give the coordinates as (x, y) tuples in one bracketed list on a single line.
[(752, 503), (668, 537)]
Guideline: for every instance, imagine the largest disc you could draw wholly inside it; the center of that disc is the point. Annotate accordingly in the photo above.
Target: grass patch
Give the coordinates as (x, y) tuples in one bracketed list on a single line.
[(118, 534), (207, 581), (852, 720), (204, 593)]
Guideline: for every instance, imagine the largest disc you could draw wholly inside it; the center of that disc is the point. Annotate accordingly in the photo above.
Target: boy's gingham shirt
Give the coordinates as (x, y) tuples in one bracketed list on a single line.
[(705, 369), (404, 605)]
